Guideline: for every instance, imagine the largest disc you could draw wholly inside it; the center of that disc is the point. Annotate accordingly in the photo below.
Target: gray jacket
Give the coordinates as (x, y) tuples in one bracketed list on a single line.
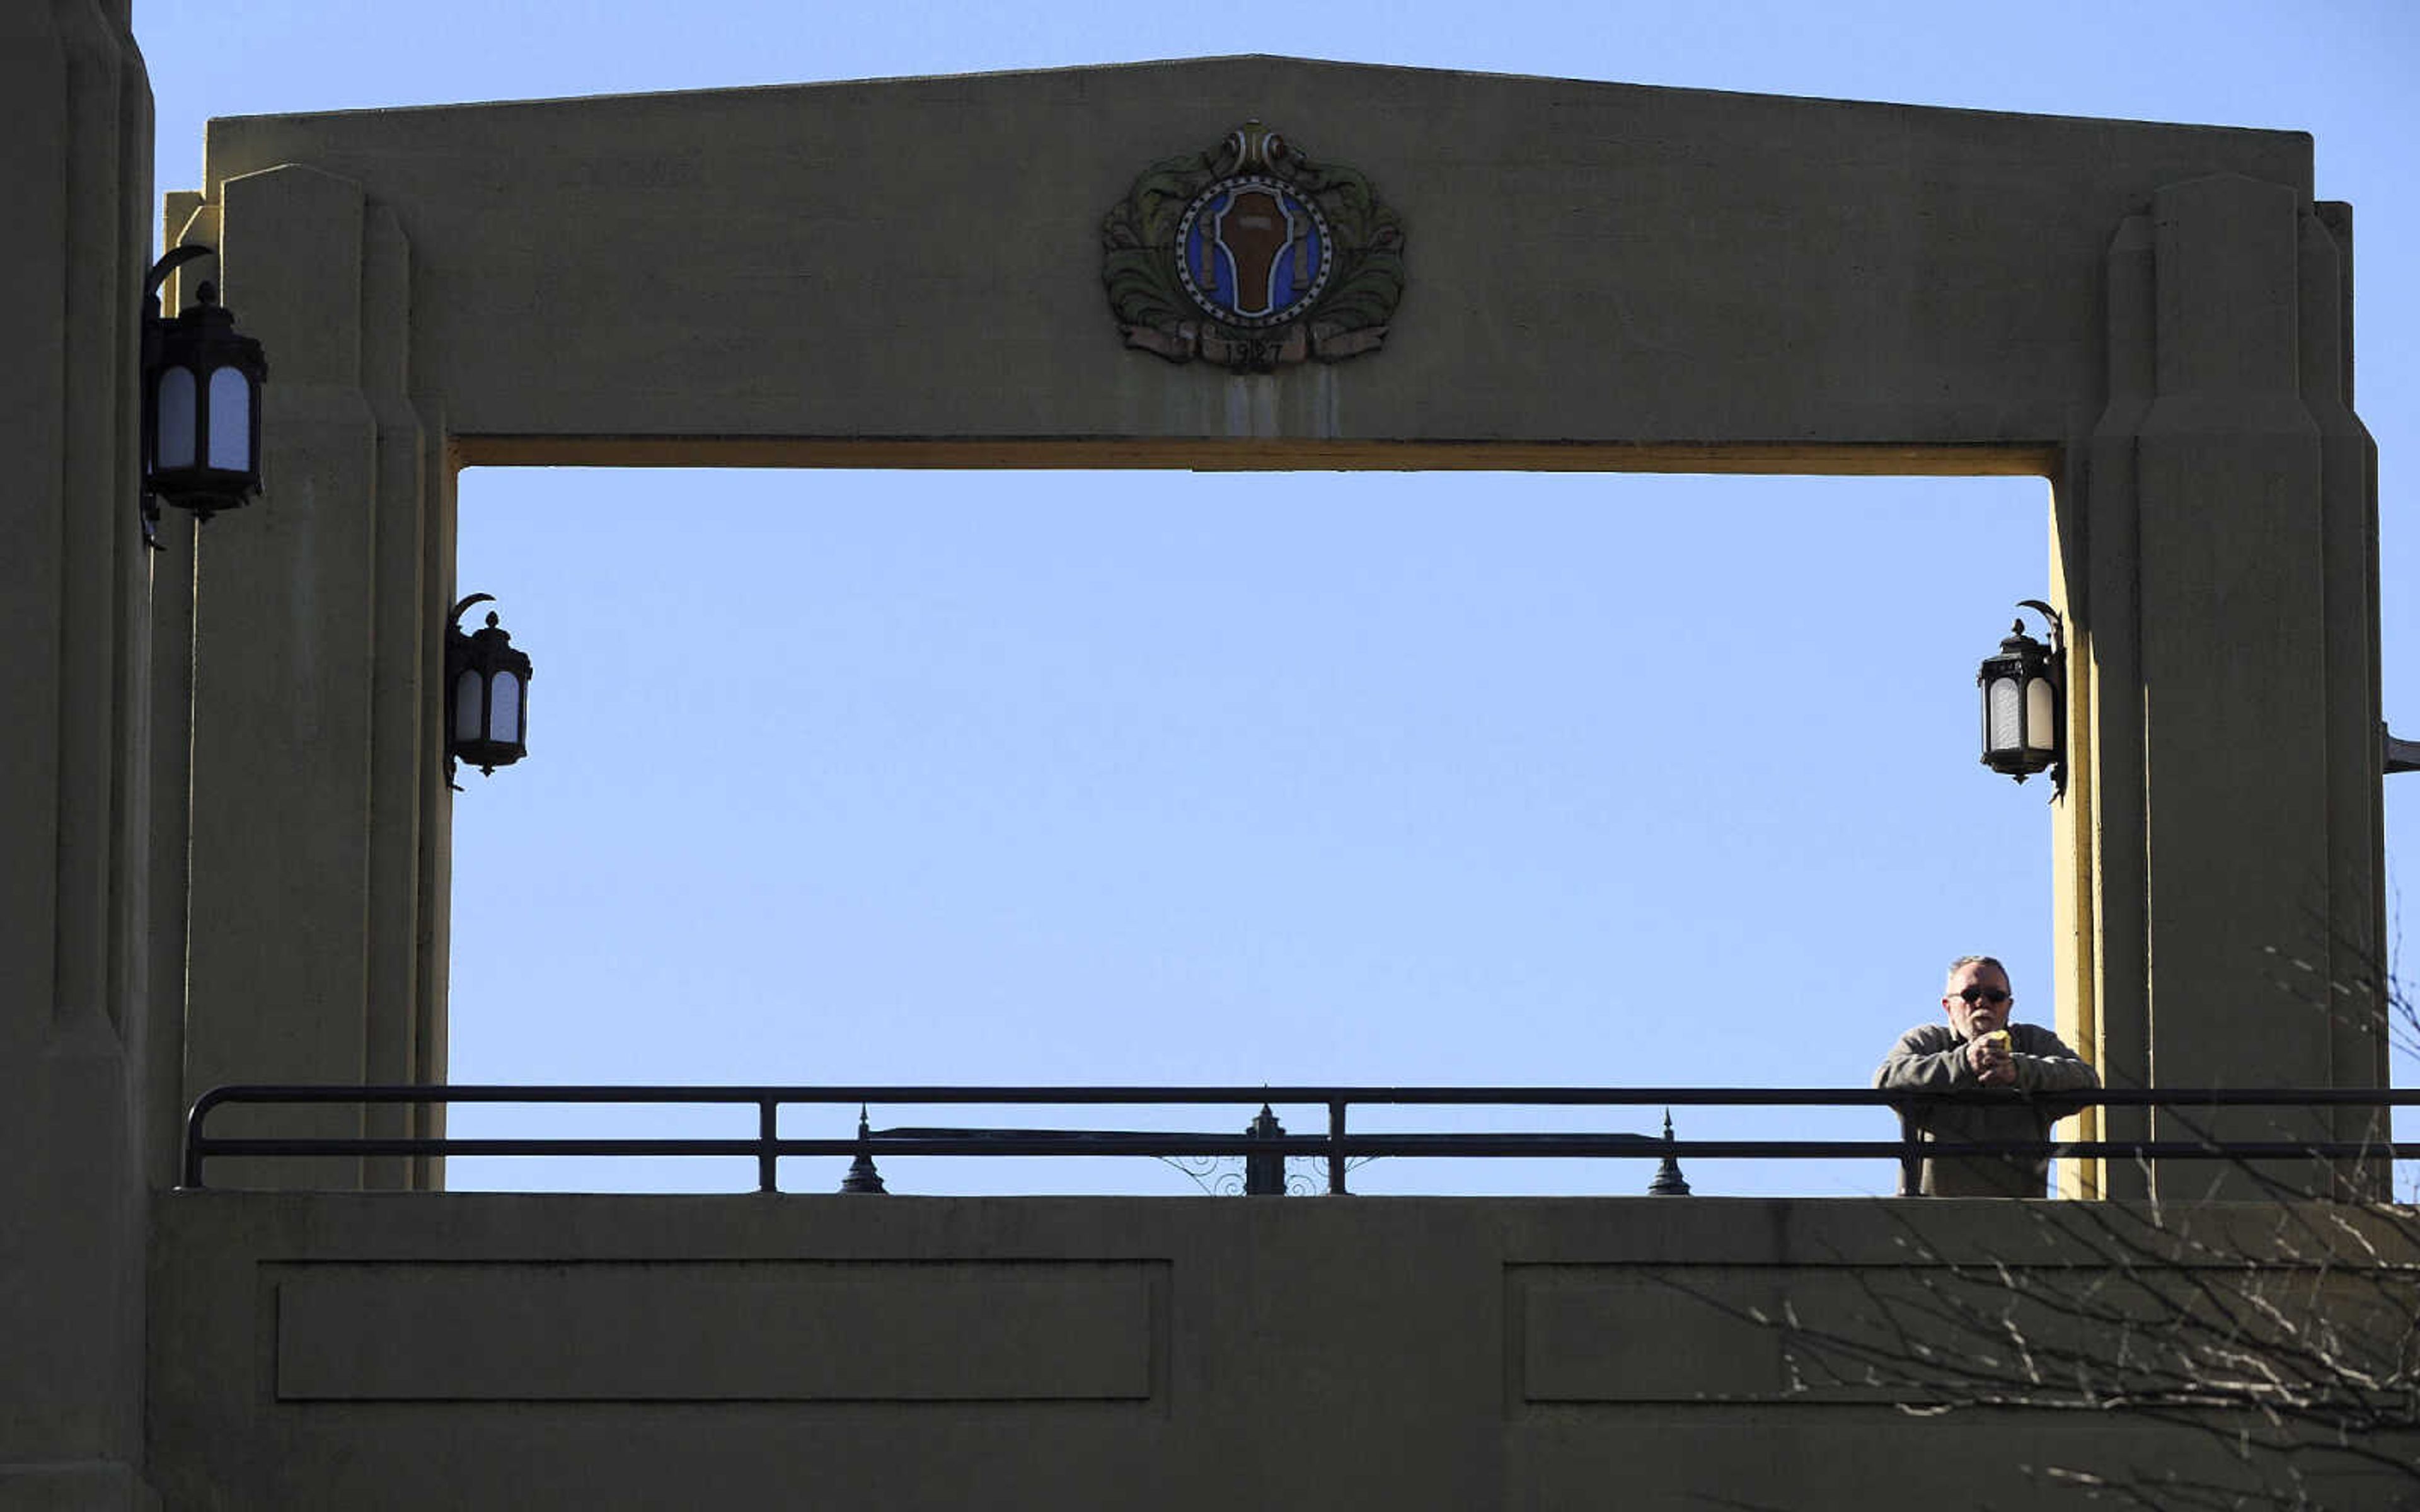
[(1931, 1057)]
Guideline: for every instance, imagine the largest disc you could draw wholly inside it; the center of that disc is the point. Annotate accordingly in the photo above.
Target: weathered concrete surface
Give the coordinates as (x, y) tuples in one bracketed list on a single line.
[(403, 1349), (75, 111), (921, 257)]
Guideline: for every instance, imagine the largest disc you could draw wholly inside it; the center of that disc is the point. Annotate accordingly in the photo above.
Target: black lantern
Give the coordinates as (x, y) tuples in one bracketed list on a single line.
[(201, 401), (487, 694), (2022, 731)]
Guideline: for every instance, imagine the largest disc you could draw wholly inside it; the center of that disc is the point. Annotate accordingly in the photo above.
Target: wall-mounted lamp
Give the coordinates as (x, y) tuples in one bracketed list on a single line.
[(2021, 729), (201, 402), (486, 695)]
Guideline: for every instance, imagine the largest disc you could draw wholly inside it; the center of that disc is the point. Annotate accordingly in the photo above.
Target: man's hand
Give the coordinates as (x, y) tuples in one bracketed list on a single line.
[(1989, 1054)]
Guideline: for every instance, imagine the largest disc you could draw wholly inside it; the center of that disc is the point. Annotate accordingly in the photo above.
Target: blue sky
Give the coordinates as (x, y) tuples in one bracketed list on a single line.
[(1296, 777)]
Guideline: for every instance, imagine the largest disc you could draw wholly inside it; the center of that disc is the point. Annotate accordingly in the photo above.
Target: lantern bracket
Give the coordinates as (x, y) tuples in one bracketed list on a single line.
[(170, 261), (2049, 617), (2059, 683), (453, 636)]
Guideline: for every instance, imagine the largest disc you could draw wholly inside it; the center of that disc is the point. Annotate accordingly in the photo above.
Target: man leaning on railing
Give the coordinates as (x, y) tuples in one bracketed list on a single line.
[(1978, 1049)]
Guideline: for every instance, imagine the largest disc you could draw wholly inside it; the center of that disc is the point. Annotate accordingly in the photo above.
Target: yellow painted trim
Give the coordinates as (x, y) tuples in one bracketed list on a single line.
[(1210, 454), (2079, 1015)]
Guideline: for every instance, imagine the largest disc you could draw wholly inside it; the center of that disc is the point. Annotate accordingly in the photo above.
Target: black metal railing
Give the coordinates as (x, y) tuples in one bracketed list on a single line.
[(1337, 1147)]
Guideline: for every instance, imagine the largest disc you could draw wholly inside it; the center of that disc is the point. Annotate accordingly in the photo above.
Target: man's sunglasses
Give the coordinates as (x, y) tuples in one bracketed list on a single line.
[(1984, 995)]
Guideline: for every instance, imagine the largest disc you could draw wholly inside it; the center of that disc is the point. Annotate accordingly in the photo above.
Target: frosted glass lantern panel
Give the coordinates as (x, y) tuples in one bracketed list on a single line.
[(2038, 720), (507, 705), (173, 447), (466, 707), (2000, 715), (230, 422)]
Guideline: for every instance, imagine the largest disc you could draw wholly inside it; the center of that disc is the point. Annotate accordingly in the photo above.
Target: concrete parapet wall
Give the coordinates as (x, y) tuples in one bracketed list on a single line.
[(405, 1350)]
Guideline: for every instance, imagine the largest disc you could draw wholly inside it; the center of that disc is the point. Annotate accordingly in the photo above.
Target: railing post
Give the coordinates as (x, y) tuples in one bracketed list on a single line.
[(1911, 1160), (768, 1121), (194, 1137), (1336, 1148)]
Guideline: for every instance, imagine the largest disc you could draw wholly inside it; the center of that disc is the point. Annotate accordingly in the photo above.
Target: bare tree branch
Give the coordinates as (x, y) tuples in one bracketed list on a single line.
[(2279, 1334)]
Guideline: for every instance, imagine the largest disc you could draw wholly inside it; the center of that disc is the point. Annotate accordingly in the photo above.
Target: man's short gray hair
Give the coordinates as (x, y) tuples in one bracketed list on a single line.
[(1991, 961)]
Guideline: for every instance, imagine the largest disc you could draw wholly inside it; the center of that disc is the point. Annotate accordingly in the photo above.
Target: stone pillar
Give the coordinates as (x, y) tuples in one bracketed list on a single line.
[(2348, 984), (2101, 551), (75, 109), (311, 640), (2232, 723)]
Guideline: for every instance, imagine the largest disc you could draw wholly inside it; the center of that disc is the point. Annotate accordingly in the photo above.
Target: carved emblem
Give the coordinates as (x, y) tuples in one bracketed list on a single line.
[(1253, 256)]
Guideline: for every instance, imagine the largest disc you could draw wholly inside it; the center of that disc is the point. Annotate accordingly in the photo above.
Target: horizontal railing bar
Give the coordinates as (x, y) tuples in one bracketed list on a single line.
[(1617, 1145), (907, 1132), (216, 1148), (1403, 1096)]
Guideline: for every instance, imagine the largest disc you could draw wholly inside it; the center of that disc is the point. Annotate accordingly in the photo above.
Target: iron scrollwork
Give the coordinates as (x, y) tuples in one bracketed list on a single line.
[(1222, 1176)]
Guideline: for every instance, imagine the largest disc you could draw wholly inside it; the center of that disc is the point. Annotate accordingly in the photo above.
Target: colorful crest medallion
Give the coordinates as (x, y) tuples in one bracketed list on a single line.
[(1253, 256)]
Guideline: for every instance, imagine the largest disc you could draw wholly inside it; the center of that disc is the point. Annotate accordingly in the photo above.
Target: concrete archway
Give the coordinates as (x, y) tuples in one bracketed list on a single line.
[(2153, 317)]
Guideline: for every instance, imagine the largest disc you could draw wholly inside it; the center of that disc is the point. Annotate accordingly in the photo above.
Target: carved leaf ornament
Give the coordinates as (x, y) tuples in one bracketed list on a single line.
[(1253, 256)]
